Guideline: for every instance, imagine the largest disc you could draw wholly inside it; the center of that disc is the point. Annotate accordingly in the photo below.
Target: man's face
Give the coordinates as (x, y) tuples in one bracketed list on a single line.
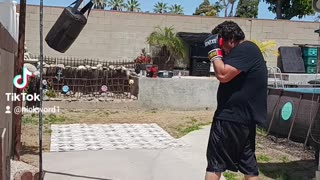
[(227, 46)]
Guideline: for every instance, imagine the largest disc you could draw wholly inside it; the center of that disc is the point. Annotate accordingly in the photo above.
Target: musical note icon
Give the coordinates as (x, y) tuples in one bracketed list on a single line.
[(21, 81)]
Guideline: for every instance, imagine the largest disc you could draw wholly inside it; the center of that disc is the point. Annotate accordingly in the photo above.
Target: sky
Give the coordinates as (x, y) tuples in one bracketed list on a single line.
[(188, 5)]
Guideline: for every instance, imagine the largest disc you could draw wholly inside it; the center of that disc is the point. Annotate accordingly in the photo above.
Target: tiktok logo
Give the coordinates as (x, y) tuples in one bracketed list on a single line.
[(21, 81)]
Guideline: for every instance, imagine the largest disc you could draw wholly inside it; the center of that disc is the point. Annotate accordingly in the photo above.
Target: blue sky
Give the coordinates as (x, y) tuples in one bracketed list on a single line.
[(188, 5)]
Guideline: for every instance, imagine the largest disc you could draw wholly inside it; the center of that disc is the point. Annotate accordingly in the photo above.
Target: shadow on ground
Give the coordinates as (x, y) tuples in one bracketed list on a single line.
[(294, 170), (32, 150), (74, 175)]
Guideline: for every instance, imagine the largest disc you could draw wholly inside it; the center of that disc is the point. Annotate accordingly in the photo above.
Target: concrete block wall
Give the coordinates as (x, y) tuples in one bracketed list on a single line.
[(188, 93), (113, 35)]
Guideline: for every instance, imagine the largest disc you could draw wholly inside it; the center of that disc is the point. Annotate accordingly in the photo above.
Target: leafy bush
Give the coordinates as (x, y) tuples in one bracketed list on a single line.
[(267, 47)]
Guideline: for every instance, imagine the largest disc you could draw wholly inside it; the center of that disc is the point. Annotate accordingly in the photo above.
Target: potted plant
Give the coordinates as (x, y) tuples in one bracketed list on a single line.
[(142, 60)]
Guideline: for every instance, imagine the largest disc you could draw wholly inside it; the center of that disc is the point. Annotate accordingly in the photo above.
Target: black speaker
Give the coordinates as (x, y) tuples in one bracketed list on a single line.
[(200, 66), (68, 26), (290, 60)]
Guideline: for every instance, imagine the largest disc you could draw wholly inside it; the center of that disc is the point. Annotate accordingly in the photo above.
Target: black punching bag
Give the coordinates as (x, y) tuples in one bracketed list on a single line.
[(68, 26)]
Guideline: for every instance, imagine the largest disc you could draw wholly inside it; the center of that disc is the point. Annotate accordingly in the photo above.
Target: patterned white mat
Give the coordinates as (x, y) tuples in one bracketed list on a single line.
[(82, 137)]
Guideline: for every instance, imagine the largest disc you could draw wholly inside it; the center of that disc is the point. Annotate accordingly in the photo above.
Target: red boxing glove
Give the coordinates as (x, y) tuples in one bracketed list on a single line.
[(213, 45), (215, 54)]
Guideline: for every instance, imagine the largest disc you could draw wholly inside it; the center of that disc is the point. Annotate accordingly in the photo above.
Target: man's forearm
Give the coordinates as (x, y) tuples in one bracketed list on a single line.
[(219, 68), (224, 72)]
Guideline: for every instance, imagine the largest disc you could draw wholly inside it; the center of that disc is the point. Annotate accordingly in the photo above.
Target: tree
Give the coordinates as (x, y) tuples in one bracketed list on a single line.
[(226, 6), (160, 7), (99, 4), (206, 9), (287, 9), (132, 5), (176, 9), (167, 40), (117, 5), (247, 9)]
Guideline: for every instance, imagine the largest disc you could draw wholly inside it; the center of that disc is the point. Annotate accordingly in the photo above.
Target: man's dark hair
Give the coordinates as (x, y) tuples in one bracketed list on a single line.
[(229, 30)]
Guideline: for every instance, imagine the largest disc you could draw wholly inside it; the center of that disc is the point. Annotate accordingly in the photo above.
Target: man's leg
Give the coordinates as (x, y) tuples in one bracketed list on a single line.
[(248, 163), (246, 177), (212, 176), (217, 157)]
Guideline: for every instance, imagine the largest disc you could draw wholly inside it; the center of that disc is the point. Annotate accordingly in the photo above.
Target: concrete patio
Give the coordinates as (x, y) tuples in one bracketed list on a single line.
[(187, 163)]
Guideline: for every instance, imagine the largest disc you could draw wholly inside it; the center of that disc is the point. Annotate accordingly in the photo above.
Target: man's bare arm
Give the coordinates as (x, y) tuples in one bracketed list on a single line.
[(224, 72)]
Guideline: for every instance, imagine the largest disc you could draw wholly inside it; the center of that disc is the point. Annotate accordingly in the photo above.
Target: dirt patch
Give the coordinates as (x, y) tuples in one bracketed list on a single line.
[(281, 160)]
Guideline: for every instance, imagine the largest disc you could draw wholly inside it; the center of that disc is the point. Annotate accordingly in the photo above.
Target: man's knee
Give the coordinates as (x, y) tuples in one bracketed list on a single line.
[(247, 177), (212, 176)]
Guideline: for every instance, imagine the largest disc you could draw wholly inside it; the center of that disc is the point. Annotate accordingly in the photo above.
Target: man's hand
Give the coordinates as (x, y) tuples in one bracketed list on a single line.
[(224, 72), (212, 43)]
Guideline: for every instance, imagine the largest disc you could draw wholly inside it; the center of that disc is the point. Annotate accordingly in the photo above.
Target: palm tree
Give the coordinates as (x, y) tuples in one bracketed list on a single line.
[(117, 5), (176, 9), (99, 4), (167, 40), (160, 7), (132, 5)]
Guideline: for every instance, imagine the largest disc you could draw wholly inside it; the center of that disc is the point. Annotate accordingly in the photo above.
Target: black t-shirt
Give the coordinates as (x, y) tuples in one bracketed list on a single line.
[(244, 98)]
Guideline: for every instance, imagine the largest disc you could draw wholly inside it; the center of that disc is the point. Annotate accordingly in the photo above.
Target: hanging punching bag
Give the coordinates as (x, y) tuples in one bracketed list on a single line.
[(68, 26)]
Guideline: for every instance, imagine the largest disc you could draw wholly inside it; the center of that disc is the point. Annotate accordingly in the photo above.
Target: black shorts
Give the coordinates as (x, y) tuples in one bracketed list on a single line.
[(231, 147)]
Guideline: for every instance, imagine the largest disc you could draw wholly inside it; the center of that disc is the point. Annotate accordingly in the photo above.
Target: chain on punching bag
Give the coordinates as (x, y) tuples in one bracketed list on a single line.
[(68, 26)]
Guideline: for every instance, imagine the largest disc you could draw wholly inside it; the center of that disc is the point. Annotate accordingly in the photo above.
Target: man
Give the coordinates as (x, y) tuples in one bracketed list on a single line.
[(242, 102)]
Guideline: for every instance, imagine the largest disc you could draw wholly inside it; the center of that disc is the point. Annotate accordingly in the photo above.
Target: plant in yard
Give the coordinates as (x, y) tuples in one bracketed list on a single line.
[(166, 39), (144, 58), (51, 93), (267, 47)]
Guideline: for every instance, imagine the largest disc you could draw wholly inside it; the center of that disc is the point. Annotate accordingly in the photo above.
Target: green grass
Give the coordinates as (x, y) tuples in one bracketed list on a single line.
[(152, 111), (263, 158), (54, 119), (104, 113), (29, 120), (261, 132), (284, 159), (230, 176), (48, 119), (192, 125)]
